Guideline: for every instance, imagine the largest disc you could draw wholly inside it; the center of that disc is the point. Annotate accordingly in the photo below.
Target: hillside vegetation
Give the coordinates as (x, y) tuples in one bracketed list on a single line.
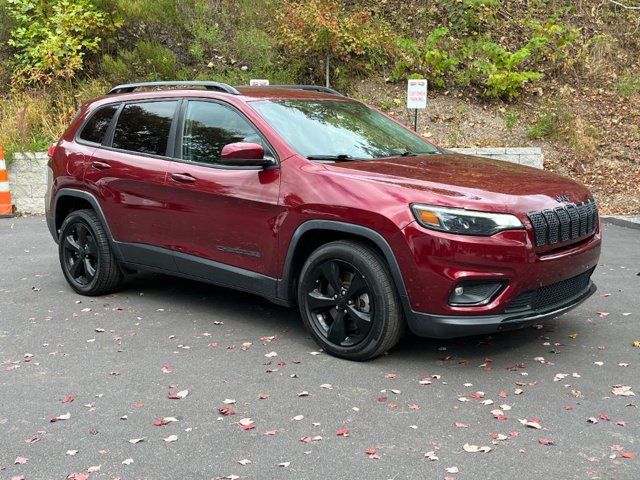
[(561, 74)]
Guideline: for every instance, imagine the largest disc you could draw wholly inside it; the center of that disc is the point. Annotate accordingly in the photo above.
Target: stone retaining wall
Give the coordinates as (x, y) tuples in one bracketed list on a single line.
[(28, 181), (530, 156), (28, 172)]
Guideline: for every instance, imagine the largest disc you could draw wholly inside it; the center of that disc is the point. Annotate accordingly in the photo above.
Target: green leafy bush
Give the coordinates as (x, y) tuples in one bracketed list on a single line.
[(51, 39), (466, 16), (499, 72)]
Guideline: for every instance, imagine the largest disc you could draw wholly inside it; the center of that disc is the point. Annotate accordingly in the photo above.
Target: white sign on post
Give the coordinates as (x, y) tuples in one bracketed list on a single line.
[(256, 82), (417, 94)]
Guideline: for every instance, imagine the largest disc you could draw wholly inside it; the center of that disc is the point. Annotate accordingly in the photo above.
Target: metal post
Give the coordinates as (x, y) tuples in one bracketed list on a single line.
[(415, 120)]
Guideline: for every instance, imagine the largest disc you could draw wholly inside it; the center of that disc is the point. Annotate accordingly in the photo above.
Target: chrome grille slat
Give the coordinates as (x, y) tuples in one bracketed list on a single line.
[(567, 222)]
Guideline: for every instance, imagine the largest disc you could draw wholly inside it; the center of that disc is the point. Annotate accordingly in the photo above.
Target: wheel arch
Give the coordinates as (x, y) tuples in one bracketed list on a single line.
[(69, 200), (314, 233)]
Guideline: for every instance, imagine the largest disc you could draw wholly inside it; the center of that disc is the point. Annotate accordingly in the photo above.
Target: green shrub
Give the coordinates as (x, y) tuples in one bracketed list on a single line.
[(51, 39), (433, 58), (543, 126), (511, 119), (500, 72), (628, 84), (467, 16)]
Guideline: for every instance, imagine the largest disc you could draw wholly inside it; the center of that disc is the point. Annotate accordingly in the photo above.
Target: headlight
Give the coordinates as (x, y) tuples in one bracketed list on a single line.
[(465, 222)]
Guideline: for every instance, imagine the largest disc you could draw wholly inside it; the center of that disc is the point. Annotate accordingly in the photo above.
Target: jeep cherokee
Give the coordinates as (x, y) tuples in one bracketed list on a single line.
[(309, 198)]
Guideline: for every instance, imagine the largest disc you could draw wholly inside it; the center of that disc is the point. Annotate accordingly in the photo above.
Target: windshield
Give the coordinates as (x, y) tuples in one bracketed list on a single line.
[(338, 130)]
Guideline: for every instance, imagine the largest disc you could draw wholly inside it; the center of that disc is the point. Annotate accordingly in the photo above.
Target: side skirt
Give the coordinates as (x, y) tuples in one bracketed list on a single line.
[(162, 260)]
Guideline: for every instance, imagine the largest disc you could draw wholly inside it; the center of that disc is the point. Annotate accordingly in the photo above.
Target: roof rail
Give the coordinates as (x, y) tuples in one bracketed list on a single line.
[(216, 86), (313, 88)]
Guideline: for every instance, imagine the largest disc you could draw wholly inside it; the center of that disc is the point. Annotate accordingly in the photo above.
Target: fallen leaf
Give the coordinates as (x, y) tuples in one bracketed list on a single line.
[(137, 440), (20, 460), (475, 448), (530, 424), (245, 461), (77, 476), (171, 438), (431, 456), (343, 432), (66, 416), (545, 441), (623, 391), (178, 396)]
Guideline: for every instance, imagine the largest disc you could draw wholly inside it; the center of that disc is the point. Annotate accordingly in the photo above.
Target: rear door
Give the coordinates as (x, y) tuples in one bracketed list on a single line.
[(218, 213), (128, 172)]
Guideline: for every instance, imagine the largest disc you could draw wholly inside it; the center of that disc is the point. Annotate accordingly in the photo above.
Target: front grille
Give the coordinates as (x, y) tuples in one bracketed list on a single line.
[(552, 296), (571, 221)]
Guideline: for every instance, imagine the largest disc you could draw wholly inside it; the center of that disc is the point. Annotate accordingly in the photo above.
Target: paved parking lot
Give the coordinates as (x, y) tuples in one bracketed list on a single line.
[(82, 380)]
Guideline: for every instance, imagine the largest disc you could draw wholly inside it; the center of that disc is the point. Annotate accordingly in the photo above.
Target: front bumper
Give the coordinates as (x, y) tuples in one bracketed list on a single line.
[(452, 326)]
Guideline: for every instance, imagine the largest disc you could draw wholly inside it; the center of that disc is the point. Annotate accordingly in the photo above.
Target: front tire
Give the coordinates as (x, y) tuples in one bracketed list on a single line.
[(348, 301), (86, 257)]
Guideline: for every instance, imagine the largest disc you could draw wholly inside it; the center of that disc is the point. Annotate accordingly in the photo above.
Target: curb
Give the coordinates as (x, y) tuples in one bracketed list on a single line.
[(621, 221)]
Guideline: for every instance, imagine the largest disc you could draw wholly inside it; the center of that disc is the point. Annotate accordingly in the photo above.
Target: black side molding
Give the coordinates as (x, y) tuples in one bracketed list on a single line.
[(162, 260)]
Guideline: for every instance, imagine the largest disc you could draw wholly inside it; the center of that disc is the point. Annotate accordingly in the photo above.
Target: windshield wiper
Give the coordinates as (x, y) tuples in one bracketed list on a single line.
[(338, 158), (407, 153)]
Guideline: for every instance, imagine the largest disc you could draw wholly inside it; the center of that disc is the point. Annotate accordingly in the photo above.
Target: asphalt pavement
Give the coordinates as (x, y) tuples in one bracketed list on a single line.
[(86, 385)]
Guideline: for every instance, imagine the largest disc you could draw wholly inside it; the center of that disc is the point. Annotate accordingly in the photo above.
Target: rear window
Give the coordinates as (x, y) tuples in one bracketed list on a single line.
[(144, 127), (97, 125)]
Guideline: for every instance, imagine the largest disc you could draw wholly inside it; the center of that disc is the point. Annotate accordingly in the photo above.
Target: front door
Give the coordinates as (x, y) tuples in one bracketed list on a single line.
[(222, 215)]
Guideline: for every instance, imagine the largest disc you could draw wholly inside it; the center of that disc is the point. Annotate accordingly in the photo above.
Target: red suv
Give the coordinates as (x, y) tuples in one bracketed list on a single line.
[(309, 198)]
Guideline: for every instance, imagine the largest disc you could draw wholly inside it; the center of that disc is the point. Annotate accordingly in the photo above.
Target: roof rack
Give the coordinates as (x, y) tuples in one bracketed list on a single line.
[(216, 86), (312, 88)]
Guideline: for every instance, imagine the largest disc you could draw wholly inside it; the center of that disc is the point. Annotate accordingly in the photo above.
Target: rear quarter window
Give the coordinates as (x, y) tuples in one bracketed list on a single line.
[(95, 129), (144, 127)]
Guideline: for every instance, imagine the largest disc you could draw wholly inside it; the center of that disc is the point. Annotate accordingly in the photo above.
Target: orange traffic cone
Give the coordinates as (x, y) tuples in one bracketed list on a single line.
[(6, 208)]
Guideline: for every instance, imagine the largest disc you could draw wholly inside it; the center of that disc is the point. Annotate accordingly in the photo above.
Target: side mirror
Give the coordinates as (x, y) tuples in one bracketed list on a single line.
[(244, 154)]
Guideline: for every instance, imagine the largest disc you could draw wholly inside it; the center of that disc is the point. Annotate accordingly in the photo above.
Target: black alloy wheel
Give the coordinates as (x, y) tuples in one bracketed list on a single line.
[(86, 256), (339, 299), (81, 260), (348, 300)]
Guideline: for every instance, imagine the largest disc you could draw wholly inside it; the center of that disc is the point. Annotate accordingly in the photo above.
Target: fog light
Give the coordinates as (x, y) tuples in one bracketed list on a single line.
[(474, 293)]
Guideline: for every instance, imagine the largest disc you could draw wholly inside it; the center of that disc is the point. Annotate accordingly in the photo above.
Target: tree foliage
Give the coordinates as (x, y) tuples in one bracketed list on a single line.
[(320, 31), (51, 38)]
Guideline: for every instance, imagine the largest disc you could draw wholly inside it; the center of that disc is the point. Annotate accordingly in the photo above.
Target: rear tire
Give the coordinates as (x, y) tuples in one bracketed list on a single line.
[(348, 301), (86, 256)]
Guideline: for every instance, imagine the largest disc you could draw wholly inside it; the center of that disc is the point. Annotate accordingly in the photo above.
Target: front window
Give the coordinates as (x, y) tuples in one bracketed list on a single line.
[(209, 126), (326, 129)]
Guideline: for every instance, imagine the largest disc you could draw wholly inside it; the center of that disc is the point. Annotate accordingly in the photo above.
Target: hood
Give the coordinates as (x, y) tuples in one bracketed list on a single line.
[(467, 181)]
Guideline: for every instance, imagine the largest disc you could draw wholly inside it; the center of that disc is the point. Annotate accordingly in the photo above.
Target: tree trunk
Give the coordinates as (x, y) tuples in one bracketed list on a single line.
[(327, 68)]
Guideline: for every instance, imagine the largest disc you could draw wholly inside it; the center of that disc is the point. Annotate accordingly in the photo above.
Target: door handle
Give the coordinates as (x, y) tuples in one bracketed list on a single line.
[(100, 165), (183, 178)]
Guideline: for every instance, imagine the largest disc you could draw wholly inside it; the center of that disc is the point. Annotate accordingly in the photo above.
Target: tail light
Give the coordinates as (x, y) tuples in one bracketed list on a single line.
[(52, 150)]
